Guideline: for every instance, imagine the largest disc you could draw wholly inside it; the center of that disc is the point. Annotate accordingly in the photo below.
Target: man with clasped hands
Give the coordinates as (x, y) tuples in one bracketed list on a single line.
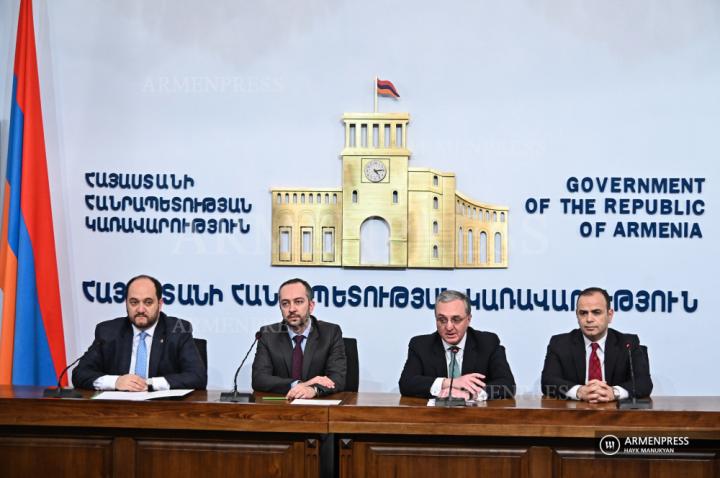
[(301, 357), (592, 363)]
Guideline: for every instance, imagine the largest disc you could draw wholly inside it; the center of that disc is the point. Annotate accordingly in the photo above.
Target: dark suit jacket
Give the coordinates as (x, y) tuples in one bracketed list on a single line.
[(483, 354), (324, 355), (565, 364), (173, 354)]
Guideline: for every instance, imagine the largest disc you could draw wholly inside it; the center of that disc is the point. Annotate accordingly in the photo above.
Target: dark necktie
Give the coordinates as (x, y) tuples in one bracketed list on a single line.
[(297, 358), (594, 370)]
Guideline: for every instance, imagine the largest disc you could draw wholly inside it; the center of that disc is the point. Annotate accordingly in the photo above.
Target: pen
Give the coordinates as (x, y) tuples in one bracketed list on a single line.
[(274, 398)]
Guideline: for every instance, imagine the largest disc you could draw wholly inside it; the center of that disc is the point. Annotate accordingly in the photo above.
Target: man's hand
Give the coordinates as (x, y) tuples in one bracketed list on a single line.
[(596, 391), (131, 383), (464, 394), (301, 390), (471, 383), (320, 380)]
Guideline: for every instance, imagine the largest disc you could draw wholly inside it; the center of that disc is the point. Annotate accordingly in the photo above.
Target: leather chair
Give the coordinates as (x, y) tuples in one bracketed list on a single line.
[(352, 378)]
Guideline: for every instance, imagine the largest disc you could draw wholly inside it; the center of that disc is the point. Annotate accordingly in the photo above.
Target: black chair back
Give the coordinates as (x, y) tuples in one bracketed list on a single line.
[(645, 353), (201, 345), (352, 379)]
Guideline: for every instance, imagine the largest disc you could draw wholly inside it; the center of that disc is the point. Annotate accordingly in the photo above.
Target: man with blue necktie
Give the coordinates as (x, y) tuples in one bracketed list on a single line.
[(146, 350)]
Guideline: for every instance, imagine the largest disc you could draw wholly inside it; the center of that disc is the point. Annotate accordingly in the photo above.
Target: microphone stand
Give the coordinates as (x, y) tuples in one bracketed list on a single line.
[(451, 401), (59, 391), (235, 396), (633, 403)]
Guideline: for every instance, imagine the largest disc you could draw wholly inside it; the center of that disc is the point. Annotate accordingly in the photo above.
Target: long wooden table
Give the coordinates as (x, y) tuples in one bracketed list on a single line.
[(197, 436), (385, 435), (367, 435)]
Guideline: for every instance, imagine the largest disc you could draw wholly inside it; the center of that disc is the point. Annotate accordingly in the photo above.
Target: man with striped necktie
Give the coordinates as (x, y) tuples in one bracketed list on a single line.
[(476, 359)]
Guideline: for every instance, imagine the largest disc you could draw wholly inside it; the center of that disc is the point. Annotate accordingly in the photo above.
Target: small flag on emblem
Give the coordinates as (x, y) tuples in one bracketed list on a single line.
[(386, 88)]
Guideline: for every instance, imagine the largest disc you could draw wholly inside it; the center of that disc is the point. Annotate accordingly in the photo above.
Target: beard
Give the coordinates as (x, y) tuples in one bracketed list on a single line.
[(296, 320), (144, 321)]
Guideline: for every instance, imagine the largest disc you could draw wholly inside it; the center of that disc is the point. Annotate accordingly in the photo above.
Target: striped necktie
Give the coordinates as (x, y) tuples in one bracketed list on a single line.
[(454, 368)]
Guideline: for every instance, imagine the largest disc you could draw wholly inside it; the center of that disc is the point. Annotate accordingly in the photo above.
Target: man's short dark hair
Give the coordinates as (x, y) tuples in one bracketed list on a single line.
[(594, 290), (308, 288), (451, 295), (156, 283)]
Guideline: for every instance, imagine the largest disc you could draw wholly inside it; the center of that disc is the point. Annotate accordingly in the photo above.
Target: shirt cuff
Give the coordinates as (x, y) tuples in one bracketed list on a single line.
[(436, 387), (292, 384), (572, 393), (622, 394), (159, 384), (482, 396), (106, 382)]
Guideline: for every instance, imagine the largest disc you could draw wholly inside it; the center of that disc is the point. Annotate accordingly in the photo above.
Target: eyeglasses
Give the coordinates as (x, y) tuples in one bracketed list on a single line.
[(456, 320)]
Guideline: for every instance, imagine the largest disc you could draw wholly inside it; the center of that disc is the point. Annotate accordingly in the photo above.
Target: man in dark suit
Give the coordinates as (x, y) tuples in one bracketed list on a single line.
[(301, 356), (475, 358), (591, 363), (145, 350)]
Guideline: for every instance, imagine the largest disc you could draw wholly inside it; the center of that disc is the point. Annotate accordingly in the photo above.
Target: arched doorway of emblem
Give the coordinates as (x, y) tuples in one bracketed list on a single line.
[(374, 242)]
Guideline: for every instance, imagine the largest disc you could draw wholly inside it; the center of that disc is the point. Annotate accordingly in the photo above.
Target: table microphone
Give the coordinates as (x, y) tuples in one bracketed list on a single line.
[(61, 392), (451, 401), (633, 403), (235, 396)]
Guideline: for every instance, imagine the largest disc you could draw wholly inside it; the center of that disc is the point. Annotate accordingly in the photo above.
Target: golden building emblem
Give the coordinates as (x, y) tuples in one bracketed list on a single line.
[(413, 217)]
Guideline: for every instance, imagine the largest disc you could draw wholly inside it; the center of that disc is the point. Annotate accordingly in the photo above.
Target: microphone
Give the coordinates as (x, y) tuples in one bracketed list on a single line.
[(61, 392), (451, 401), (633, 403), (235, 396)]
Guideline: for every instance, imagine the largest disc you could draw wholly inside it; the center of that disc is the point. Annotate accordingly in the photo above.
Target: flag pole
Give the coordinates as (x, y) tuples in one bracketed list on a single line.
[(375, 91)]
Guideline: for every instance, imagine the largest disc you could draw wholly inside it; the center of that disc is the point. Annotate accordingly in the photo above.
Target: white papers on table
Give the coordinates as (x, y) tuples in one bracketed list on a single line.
[(314, 401), (140, 396)]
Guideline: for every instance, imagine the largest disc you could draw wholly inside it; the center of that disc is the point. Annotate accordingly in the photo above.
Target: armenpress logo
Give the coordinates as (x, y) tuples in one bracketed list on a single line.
[(610, 445)]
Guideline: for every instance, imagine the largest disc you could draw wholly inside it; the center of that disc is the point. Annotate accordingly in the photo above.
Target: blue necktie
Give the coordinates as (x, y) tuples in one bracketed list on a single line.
[(141, 356)]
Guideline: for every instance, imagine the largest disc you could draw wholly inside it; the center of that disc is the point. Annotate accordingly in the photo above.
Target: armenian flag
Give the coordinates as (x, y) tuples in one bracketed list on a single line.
[(32, 343), (386, 88)]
